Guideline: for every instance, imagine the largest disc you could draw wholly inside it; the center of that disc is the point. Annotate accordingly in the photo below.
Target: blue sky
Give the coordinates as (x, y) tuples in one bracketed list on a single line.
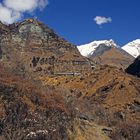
[(73, 19)]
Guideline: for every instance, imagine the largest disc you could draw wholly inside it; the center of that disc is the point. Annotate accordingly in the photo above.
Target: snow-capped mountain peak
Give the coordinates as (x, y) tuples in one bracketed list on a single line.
[(96, 46), (133, 48)]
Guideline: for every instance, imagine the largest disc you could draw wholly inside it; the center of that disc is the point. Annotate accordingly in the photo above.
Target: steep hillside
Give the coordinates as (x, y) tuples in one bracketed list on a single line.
[(30, 112), (48, 91), (114, 57), (30, 48), (106, 99)]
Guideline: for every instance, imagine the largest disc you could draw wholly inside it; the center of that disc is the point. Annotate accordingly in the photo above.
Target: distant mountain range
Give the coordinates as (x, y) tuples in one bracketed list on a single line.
[(98, 47), (108, 52), (133, 48)]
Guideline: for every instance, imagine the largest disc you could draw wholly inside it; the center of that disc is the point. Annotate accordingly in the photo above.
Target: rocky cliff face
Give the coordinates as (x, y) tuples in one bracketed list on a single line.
[(32, 46)]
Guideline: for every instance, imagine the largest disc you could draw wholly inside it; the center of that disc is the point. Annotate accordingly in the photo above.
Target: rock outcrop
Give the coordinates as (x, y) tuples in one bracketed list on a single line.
[(32, 46)]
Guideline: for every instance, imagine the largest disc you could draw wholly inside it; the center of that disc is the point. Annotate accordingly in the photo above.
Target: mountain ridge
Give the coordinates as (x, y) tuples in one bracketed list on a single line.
[(106, 52), (49, 91), (39, 50), (133, 48), (88, 49)]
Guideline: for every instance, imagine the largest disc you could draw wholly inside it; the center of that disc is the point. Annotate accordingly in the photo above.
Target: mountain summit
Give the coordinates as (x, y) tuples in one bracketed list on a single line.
[(96, 47), (106, 52), (133, 48), (31, 46)]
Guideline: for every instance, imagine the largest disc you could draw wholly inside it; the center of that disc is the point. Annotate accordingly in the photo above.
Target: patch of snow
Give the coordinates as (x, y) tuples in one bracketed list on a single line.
[(89, 49), (33, 135), (133, 48)]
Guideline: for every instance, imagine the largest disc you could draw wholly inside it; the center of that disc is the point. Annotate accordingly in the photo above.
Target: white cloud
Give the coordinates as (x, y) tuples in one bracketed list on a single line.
[(7, 15), (102, 20), (12, 10), (25, 5)]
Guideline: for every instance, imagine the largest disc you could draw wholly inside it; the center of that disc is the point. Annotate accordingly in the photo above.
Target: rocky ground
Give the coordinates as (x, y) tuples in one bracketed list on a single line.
[(48, 91)]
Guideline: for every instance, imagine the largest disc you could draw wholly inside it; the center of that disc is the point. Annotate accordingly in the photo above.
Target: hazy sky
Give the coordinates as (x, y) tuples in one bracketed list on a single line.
[(80, 21)]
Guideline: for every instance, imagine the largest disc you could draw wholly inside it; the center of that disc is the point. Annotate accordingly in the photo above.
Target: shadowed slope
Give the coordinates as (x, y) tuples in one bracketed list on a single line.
[(134, 68)]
